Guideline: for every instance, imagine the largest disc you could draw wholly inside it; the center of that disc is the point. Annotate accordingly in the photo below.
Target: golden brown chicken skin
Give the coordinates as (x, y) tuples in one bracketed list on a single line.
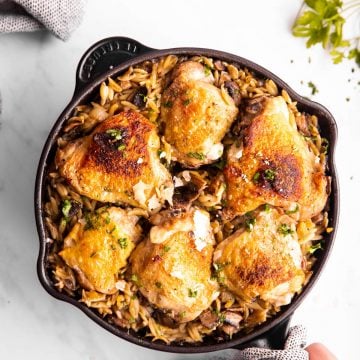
[(172, 267), (118, 162), (196, 115), (264, 261), (98, 247), (273, 163)]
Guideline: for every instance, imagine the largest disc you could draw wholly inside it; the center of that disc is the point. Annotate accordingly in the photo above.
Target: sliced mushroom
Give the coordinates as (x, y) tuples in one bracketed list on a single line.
[(139, 99), (234, 91), (232, 318), (190, 185), (209, 319)]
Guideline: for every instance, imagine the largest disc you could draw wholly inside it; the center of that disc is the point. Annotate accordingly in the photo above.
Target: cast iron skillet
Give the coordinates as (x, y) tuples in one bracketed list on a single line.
[(111, 56)]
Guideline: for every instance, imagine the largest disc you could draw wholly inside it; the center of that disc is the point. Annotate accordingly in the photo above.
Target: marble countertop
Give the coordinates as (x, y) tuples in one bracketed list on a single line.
[(37, 73)]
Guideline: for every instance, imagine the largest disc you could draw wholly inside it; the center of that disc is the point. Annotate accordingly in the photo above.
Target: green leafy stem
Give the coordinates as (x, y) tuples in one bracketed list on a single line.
[(322, 22)]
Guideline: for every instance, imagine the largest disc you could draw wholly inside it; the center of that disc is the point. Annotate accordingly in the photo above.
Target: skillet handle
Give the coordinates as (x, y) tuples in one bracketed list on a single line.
[(103, 56), (273, 339)]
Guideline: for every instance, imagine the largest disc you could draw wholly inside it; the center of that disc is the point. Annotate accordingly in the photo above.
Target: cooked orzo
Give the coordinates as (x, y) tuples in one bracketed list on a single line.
[(187, 200)]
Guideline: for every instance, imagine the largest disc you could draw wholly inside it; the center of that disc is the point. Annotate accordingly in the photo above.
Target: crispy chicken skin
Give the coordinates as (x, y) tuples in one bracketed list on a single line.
[(273, 163), (265, 262), (118, 162), (98, 247), (196, 115), (172, 265)]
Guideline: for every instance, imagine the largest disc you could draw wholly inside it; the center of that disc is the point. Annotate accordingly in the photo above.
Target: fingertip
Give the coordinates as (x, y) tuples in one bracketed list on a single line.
[(318, 351)]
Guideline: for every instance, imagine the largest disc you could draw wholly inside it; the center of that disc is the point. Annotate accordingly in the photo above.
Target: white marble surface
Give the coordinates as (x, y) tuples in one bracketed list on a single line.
[(36, 82)]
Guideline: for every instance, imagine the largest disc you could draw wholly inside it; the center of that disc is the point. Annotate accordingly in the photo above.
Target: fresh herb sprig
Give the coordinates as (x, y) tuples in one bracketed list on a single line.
[(322, 22)]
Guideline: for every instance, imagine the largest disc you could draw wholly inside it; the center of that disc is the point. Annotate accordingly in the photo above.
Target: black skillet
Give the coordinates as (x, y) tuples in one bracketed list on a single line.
[(110, 57)]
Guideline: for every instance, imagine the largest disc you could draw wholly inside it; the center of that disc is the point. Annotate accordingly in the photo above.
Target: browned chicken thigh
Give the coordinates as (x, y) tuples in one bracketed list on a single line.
[(264, 261), (273, 163), (172, 266), (98, 247), (196, 115), (119, 163)]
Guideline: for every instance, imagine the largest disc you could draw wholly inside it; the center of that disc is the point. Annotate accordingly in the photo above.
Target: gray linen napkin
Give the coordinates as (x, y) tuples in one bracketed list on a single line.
[(294, 349), (61, 17)]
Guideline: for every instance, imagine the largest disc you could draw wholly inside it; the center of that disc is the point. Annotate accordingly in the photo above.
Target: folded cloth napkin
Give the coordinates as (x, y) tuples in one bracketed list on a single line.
[(293, 350), (61, 17)]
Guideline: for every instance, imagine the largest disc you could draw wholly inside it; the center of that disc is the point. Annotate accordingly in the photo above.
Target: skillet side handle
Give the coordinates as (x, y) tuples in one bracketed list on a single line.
[(273, 339), (103, 56)]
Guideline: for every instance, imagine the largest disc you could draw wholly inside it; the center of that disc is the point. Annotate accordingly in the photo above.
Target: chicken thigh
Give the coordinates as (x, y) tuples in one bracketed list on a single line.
[(265, 261), (172, 266), (196, 115), (98, 247), (118, 162), (273, 164)]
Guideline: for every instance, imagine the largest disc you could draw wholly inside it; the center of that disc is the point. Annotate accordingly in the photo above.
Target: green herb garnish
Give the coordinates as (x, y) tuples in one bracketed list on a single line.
[(324, 145), (115, 133), (322, 23), (221, 318), (218, 268), (168, 104), (196, 155), (192, 293), (269, 174), (123, 243), (313, 248), (182, 314), (186, 102), (284, 229), (207, 70), (121, 147), (295, 210), (313, 88), (66, 207), (158, 284), (256, 177)]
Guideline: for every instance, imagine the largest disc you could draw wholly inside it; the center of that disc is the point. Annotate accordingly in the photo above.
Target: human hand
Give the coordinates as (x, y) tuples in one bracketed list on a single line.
[(318, 351)]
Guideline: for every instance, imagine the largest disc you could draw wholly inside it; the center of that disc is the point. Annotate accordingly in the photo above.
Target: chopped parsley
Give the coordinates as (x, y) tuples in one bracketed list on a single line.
[(324, 145), (221, 318), (196, 155), (115, 133), (158, 284), (121, 147), (168, 104), (295, 210), (269, 174), (207, 70), (218, 268), (285, 229), (313, 248), (182, 314), (192, 293), (123, 243), (267, 208), (135, 279), (313, 88), (166, 248), (256, 177), (66, 207), (186, 102), (263, 176)]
